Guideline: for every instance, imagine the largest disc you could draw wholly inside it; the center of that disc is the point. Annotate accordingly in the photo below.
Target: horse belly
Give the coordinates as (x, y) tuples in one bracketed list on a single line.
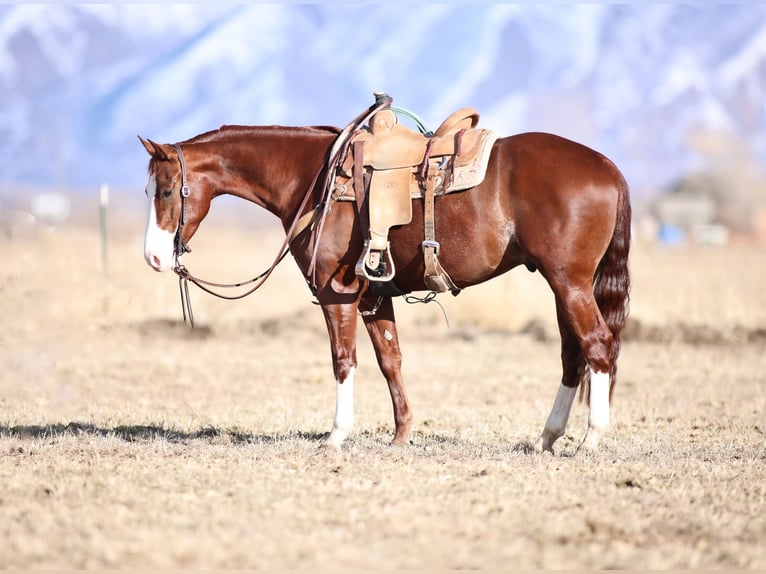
[(475, 236)]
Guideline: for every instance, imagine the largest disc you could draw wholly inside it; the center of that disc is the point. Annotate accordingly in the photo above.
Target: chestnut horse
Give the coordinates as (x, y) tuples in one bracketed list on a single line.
[(546, 202)]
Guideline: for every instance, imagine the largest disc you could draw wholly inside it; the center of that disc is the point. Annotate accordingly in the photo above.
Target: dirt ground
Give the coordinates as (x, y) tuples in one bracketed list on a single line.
[(128, 440)]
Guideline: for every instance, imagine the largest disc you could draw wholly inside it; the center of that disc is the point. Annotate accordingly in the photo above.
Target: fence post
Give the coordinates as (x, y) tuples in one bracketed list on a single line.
[(104, 208)]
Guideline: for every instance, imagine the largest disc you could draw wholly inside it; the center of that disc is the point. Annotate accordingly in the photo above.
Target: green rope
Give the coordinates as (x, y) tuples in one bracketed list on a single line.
[(415, 118)]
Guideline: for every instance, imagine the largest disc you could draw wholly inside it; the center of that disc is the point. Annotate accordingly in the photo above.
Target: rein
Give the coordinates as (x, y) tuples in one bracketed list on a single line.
[(316, 217), (184, 276), (336, 156)]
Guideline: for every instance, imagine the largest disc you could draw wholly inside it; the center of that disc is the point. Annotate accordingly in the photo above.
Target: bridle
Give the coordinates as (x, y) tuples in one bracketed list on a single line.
[(315, 218), (180, 245), (184, 276)]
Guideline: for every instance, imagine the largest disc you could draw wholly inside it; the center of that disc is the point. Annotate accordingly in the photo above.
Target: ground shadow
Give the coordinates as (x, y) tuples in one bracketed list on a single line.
[(138, 433), (172, 329), (149, 433)]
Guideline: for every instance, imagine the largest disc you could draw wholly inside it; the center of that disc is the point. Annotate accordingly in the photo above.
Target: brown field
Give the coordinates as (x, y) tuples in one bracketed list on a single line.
[(128, 440)]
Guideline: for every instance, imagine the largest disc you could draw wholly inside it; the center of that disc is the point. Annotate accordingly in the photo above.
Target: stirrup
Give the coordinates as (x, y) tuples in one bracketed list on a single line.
[(374, 264)]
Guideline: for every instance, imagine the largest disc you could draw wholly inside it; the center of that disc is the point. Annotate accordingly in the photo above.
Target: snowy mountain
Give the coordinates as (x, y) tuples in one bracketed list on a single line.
[(639, 83)]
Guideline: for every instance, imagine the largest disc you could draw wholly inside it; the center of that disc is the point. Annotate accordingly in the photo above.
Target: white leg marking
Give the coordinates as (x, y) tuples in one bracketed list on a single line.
[(598, 419), (599, 400), (158, 243), (558, 419), (344, 411)]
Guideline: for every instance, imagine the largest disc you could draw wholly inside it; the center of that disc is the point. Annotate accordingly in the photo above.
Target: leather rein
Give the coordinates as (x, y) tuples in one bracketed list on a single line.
[(184, 276), (335, 157)]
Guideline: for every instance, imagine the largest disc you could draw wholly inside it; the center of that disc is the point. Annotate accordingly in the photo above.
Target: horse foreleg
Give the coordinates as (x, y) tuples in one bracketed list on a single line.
[(341, 326), (381, 327)]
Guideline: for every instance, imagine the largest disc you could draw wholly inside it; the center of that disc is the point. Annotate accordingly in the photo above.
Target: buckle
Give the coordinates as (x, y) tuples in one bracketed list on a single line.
[(433, 244), (185, 190)]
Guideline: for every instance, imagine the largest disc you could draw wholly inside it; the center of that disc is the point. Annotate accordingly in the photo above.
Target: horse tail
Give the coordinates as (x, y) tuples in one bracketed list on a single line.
[(611, 284)]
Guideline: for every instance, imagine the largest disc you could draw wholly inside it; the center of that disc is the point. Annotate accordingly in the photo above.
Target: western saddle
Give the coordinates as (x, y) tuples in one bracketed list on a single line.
[(390, 165)]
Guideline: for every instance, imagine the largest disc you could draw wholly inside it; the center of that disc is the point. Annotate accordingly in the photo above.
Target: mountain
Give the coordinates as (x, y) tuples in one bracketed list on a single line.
[(642, 84)]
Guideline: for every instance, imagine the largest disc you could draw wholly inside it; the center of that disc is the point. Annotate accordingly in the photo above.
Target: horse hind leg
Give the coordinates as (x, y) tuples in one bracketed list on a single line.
[(581, 317), (573, 363), (598, 417), (381, 326), (557, 420)]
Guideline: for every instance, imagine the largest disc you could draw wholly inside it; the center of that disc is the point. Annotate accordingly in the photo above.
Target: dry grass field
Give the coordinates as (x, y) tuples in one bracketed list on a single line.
[(128, 440)]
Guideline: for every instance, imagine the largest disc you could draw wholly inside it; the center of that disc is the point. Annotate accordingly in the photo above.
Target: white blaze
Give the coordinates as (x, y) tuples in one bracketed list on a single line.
[(158, 243)]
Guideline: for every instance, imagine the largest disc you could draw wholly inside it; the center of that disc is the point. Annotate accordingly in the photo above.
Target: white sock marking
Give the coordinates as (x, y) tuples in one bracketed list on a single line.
[(559, 417), (598, 419), (562, 406), (599, 400), (344, 410)]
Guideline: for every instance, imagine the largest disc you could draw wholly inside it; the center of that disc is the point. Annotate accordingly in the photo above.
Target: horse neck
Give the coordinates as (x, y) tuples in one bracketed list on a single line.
[(270, 166)]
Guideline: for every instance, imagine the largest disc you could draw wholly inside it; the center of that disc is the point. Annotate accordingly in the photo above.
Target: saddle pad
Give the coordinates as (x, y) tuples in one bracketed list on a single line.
[(465, 175), (471, 174)]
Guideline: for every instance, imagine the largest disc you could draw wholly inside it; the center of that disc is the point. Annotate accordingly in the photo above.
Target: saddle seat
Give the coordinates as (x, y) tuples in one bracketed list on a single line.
[(390, 145), (400, 165)]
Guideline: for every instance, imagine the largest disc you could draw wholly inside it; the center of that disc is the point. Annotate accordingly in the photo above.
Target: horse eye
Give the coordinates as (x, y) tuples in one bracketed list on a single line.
[(165, 194)]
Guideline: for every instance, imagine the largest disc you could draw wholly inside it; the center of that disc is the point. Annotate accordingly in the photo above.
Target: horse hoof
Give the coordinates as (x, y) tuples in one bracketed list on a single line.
[(329, 445), (540, 447), (589, 444), (399, 440)]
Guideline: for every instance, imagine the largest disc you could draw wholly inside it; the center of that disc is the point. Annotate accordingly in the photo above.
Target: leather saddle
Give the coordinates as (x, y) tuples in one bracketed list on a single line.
[(390, 165)]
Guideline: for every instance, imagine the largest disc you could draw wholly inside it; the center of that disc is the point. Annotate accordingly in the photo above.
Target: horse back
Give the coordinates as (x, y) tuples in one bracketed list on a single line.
[(544, 198)]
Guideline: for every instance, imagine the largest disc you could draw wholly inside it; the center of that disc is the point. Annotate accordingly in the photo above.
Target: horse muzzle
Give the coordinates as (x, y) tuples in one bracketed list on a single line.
[(161, 261)]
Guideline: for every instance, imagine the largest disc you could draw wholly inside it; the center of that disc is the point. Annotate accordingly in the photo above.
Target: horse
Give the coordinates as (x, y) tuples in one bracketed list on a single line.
[(546, 202)]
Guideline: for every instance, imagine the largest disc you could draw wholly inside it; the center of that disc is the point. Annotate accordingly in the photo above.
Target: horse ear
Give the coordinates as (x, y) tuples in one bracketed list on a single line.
[(154, 149)]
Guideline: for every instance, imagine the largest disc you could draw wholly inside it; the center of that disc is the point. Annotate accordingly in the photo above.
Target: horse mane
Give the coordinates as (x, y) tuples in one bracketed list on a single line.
[(235, 130)]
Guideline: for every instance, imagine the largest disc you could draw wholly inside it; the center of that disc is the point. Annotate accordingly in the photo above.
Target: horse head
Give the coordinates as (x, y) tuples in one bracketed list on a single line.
[(174, 212)]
